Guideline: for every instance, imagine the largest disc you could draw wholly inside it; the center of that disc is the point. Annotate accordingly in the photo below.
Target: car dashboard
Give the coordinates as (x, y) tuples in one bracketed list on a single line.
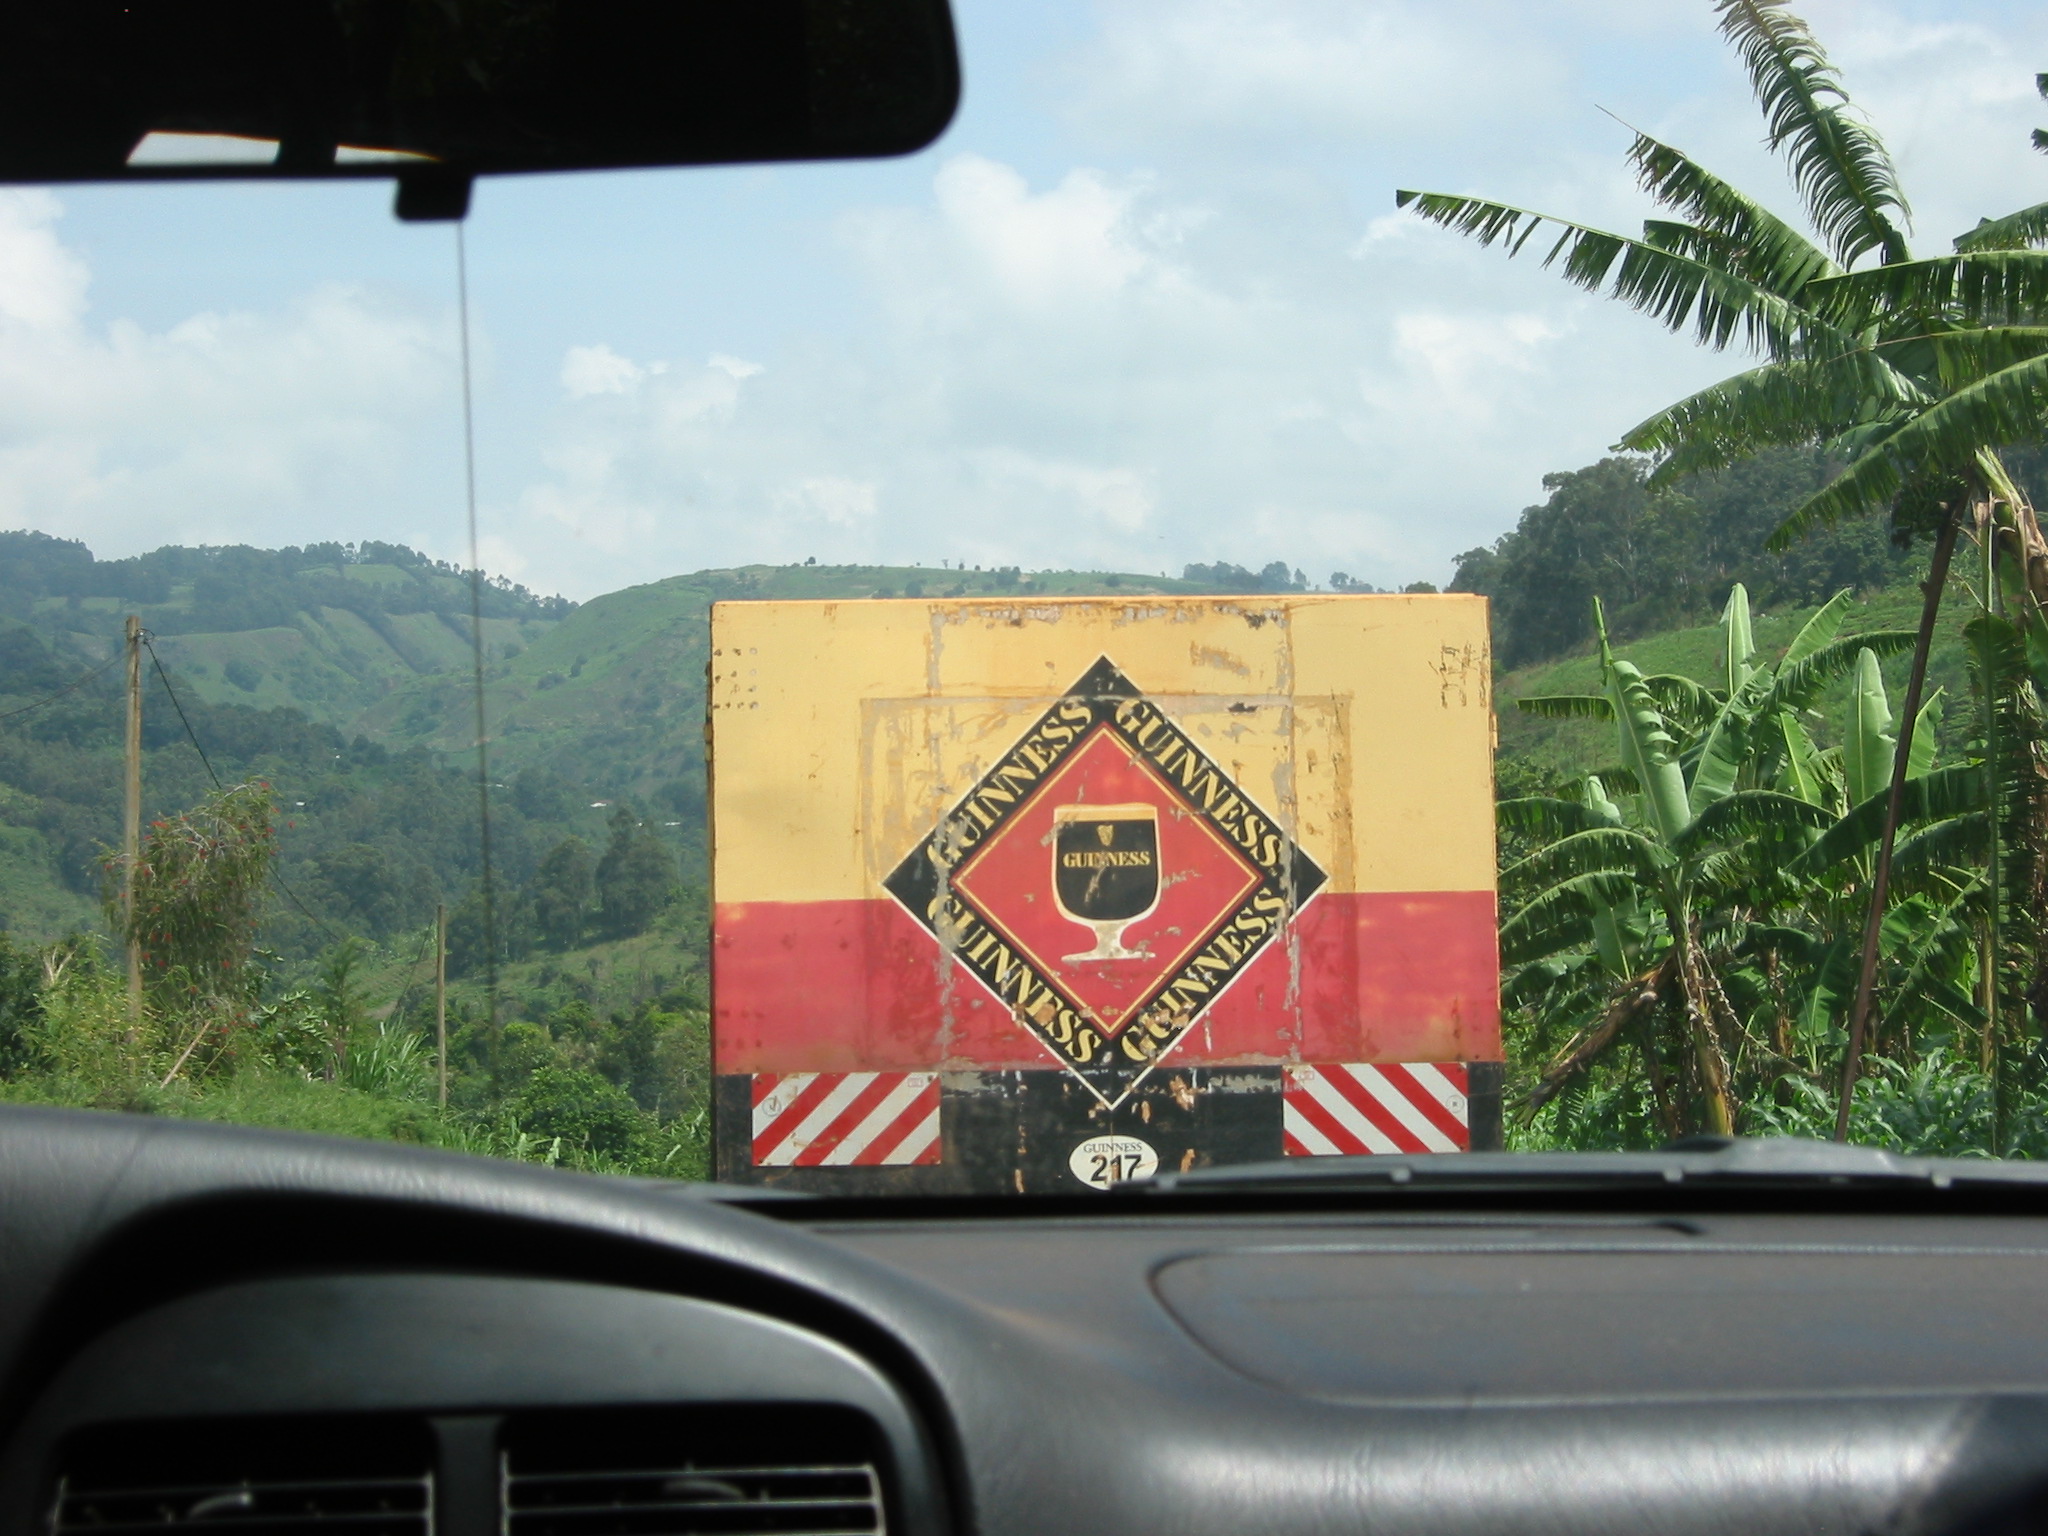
[(220, 1329)]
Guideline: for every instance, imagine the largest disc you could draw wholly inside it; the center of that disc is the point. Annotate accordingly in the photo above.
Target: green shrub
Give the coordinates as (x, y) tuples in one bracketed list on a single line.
[(581, 1109)]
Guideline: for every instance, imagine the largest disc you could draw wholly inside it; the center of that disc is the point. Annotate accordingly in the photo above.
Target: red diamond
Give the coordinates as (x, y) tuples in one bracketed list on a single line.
[(1010, 880)]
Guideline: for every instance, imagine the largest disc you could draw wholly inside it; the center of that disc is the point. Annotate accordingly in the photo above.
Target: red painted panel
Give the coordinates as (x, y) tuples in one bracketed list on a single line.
[(1370, 976), (858, 986)]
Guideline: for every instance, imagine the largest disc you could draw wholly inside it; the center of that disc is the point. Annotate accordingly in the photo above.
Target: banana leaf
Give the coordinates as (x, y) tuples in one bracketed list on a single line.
[(1868, 745), (1738, 642), (1800, 773), (1648, 750), (1944, 793)]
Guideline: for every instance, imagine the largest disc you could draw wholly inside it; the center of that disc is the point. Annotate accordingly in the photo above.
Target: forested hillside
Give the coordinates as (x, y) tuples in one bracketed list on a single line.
[(342, 675), (1665, 559), (329, 628), (612, 698)]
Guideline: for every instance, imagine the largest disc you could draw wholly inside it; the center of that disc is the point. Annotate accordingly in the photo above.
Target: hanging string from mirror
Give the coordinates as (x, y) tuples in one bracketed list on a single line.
[(476, 648)]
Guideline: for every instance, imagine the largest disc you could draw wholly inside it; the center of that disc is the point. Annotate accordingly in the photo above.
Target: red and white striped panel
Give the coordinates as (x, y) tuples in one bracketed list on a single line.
[(1341, 1111), (845, 1119)]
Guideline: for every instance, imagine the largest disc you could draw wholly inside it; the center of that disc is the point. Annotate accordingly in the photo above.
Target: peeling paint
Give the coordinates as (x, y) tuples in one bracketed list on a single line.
[(1221, 660)]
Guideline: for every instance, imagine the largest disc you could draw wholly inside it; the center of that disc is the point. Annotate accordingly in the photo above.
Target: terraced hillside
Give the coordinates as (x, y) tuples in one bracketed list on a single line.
[(612, 696), (329, 629)]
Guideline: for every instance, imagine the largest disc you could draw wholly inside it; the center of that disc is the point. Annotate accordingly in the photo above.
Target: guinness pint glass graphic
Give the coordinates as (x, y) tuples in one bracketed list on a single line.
[(1105, 872)]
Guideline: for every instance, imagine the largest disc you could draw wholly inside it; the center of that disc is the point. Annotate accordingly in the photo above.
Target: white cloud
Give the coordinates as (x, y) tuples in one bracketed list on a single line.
[(42, 285), (599, 371), (1389, 229), (1263, 67), (833, 499), (1094, 371), (187, 425), (732, 367), (1081, 498), (226, 426), (1955, 100), (1465, 362), (1071, 244)]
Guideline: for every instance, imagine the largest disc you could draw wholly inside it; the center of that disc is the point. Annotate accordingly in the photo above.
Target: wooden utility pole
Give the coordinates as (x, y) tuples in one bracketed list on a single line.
[(131, 822), (441, 996)]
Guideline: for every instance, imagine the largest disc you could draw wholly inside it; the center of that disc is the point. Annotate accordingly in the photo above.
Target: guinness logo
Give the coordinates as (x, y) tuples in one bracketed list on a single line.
[(1111, 885), (1105, 824)]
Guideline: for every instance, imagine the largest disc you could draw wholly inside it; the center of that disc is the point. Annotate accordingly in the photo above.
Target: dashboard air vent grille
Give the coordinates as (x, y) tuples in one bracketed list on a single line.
[(797, 1474), (341, 1475)]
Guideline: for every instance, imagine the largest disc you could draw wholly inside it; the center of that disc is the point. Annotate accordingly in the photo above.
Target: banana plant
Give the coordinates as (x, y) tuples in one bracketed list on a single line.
[(2012, 832), (1663, 916), (1914, 372)]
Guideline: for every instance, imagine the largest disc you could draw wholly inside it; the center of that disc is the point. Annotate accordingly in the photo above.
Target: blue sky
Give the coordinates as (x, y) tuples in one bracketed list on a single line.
[(1147, 302)]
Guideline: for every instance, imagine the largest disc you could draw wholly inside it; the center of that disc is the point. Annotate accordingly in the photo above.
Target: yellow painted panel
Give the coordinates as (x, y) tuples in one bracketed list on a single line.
[(843, 732)]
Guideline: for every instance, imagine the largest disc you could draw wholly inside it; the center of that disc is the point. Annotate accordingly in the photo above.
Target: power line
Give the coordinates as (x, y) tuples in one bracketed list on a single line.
[(411, 975), (70, 687), (276, 879), (172, 694), (411, 971)]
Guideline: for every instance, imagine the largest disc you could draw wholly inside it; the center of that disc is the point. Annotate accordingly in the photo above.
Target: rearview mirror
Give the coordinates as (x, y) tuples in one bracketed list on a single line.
[(436, 92)]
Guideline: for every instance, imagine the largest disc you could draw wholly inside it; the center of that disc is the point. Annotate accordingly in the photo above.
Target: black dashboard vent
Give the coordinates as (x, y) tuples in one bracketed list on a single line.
[(793, 1473), (364, 1477)]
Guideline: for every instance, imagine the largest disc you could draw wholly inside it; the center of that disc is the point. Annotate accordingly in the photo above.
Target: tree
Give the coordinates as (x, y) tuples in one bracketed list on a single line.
[(1274, 576), (21, 1002), (579, 1107), (338, 994), (635, 878), (1590, 536), (1913, 372), (542, 795), (363, 882), (466, 944), (560, 892), (1656, 553), (199, 881)]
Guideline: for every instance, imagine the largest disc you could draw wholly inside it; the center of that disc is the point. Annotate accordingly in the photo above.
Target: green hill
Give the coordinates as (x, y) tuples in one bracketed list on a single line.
[(612, 696), (333, 663), (329, 629), (343, 676), (375, 640)]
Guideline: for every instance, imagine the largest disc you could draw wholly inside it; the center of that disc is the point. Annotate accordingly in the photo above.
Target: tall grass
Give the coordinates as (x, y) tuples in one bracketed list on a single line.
[(307, 1060)]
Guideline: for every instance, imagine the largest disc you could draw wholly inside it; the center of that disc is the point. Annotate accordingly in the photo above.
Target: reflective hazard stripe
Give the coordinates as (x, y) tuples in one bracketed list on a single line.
[(1350, 1110), (845, 1119)]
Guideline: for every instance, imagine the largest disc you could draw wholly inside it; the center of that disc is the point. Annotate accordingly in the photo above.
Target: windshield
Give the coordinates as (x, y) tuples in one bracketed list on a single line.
[(1181, 626)]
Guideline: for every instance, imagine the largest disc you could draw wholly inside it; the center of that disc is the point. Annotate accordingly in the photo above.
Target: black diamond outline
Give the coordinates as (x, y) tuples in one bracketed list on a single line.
[(917, 885)]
